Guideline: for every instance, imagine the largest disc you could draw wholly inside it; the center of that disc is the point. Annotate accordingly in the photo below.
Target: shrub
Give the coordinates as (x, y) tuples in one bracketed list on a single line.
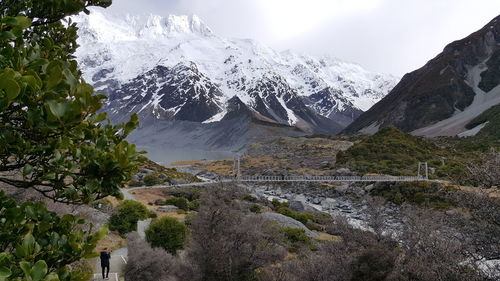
[(128, 212), (418, 193), (255, 208), (194, 205), (179, 202), (249, 198), (134, 183), (302, 217), (167, 233), (277, 204), (151, 180), (295, 235)]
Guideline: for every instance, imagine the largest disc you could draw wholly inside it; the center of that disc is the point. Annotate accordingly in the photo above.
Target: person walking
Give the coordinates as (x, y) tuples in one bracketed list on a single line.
[(105, 257)]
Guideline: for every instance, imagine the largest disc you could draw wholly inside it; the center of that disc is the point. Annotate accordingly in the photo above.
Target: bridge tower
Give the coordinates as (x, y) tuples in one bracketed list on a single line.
[(423, 168), (237, 166)]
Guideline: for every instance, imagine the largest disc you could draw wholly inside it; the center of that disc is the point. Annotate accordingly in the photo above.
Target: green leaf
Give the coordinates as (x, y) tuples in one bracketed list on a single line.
[(25, 266), (7, 35), (4, 272), (52, 277), (21, 22), (10, 87), (55, 77), (27, 169), (59, 109), (28, 246), (39, 270)]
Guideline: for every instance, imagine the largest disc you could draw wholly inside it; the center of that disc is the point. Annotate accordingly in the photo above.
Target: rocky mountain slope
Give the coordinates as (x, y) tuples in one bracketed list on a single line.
[(176, 70), (442, 97)]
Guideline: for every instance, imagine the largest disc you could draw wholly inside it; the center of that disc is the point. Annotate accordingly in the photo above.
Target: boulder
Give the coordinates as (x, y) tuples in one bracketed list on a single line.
[(160, 202), (168, 208), (285, 221), (178, 181), (369, 188), (297, 206), (343, 171), (328, 204)]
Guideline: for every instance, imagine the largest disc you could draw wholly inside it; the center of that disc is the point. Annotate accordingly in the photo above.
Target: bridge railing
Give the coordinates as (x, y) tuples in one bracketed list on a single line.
[(267, 178)]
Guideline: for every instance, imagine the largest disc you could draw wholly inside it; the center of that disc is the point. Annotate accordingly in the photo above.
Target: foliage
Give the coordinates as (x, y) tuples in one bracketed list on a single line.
[(302, 217), (277, 204), (191, 194), (151, 180), (127, 214), (50, 129), (255, 208), (492, 129), (419, 193), (167, 233), (162, 174), (194, 205), (390, 151), (295, 235), (249, 198), (394, 152), (179, 202), (39, 245)]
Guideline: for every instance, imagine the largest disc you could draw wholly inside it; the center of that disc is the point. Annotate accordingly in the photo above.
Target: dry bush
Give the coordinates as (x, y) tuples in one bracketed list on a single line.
[(146, 263), (487, 172), (228, 242), (431, 250)]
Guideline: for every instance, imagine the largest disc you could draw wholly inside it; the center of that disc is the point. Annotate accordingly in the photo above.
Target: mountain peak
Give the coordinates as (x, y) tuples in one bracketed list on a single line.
[(107, 26), (187, 24)]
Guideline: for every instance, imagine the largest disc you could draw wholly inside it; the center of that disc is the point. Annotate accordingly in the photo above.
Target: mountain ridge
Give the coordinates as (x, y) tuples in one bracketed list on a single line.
[(441, 97)]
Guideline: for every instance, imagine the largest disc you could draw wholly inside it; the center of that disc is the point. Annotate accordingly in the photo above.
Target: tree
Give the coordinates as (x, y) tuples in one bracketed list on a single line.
[(160, 265), (167, 233), (36, 244), (127, 214), (486, 173), (52, 136), (228, 242), (52, 139)]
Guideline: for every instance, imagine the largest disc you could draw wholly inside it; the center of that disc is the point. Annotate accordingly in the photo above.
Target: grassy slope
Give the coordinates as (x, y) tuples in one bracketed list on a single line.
[(394, 152), (492, 129), (170, 173)]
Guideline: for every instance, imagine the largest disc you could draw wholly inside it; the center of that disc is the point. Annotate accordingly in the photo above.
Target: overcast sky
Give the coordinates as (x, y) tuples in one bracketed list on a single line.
[(389, 36)]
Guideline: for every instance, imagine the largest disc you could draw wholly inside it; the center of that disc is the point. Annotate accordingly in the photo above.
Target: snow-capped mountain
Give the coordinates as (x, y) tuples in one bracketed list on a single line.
[(177, 69)]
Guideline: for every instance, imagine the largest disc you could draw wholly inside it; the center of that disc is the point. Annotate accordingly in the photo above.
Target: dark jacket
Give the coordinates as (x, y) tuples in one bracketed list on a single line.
[(105, 256)]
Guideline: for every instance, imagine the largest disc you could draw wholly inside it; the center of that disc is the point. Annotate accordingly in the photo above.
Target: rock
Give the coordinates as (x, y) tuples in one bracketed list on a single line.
[(146, 171), (343, 171), (369, 188), (160, 202), (297, 206), (342, 189), (162, 177), (285, 221), (328, 203), (450, 212), (168, 208), (317, 200), (178, 181)]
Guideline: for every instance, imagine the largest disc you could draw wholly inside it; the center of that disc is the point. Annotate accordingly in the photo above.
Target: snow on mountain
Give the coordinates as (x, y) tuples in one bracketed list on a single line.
[(135, 60)]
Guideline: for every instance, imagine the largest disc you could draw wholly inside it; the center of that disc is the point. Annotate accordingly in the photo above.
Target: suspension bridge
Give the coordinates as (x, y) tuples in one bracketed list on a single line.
[(422, 175)]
